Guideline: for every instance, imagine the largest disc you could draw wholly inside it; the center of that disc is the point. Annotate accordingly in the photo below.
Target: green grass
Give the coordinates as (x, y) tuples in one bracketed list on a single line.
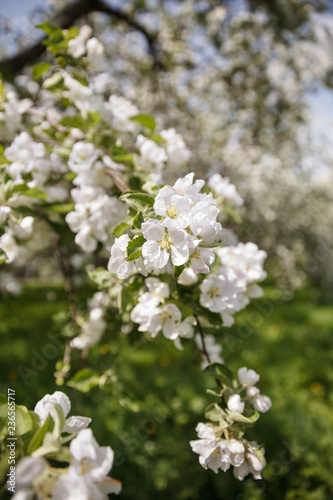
[(156, 395)]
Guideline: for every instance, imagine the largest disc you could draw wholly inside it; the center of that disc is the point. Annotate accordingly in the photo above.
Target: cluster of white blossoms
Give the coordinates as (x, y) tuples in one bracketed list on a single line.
[(83, 44), (171, 149), (11, 110), (95, 212), (224, 189), (184, 232), (153, 314), (217, 453), (186, 229), (229, 291), (27, 157), (247, 380), (217, 447), (23, 237), (94, 327), (86, 476)]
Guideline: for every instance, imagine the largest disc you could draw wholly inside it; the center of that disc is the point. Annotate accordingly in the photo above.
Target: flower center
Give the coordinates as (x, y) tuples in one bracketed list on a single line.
[(165, 243), (164, 316), (195, 255), (172, 212), (45, 483), (215, 292), (85, 465)]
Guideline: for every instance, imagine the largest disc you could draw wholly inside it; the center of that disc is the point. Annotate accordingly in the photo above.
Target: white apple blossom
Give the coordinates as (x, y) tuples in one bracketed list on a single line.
[(9, 245), (4, 213), (77, 45), (94, 327), (154, 315), (162, 243), (25, 156), (90, 459), (95, 213), (260, 402), (217, 453), (247, 377), (175, 208), (187, 277), (214, 452), (118, 264), (46, 407), (201, 259), (82, 156), (251, 465), (245, 259), (234, 403), (220, 293), (122, 111), (222, 187), (175, 146), (150, 151), (22, 228), (185, 187), (95, 54)]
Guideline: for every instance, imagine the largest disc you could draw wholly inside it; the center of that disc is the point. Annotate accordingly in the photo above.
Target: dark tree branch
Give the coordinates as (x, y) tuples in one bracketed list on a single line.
[(12, 65)]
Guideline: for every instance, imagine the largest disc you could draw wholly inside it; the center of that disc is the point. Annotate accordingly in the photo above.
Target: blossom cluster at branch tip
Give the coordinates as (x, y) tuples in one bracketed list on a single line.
[(217, 453), (221, 446), (230, 290)]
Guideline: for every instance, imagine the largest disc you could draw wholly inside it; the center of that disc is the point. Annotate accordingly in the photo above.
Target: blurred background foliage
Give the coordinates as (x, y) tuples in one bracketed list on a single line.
[(237, 79)]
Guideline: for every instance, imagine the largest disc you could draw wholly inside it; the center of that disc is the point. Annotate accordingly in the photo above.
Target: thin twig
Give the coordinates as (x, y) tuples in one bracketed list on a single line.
[(204, 348), (67, 271)]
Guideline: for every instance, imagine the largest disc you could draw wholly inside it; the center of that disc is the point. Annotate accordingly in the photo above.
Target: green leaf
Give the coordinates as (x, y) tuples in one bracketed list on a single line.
[(38, 438), (141, 202), (214, 413), (61, 208), (23, 421), (3, 257), (134, 246), (178, 271), (135, 255), (101, 276), (238, 417), (49, 28), (84, 380), (145, 120), (221, 372), (39, 69), (120, 228), (34, 192), (125, 159), (138, 221)]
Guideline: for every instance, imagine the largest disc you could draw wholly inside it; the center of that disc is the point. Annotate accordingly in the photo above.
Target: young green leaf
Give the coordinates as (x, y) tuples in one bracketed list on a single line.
[(38, 438), (134, 246), (39, 69), (238, 417), (145, 120), (178, 271), (84, 380), (220, 372), (141, 202)]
